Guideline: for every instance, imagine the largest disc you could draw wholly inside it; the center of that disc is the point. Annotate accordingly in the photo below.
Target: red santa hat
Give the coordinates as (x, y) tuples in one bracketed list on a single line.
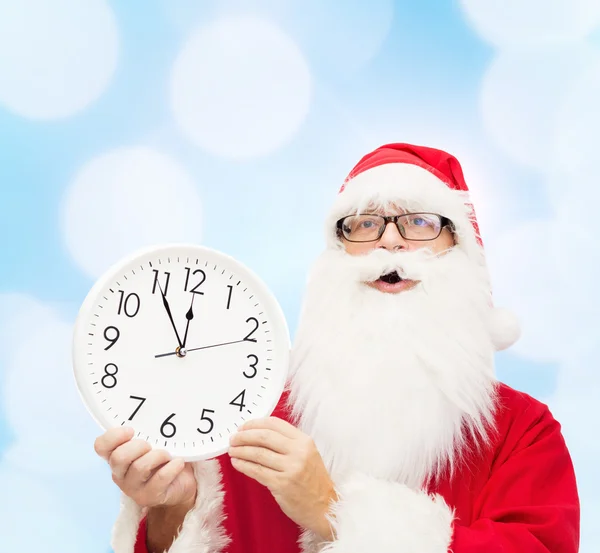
[(419, 178)]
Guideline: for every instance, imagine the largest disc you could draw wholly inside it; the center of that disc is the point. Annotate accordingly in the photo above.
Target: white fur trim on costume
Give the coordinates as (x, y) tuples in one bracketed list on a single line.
[(412, 187), (504, 328), (125, 529), (309, 542), (380, 516), (202, 530)]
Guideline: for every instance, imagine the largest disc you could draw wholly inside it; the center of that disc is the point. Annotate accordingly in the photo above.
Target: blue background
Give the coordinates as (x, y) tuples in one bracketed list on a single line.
[(518, 112)]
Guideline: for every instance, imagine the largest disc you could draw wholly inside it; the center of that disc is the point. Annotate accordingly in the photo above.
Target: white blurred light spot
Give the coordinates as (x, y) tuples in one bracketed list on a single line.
[(55, 57), (489, 193), (343, 35), (240, 88), (520, 23), (545, 272), (337, 36), (521, 96), (578, 130), (575, 196), (124, 200), (53, 431), (575, 405), (42, 453), (33, 518), (184, 15)]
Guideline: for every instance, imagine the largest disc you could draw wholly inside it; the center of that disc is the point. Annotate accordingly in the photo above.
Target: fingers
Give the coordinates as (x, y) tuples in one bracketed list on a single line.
[(260, 456), (122, 458), (262, 475), (262, 437), (160, 482), (273, 423), (144, 467), (111, 439), (148, 476)]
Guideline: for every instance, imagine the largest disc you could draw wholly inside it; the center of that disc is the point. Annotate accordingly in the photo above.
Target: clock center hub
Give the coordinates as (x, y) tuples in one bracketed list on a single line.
[(181, 352)]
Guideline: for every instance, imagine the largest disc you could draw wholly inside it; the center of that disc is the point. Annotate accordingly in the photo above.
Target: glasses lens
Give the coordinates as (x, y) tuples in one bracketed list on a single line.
[(421, 226), (362, 228)]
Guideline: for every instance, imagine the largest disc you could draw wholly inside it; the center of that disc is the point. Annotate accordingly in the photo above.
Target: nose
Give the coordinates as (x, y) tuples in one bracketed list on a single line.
[(391, 239)]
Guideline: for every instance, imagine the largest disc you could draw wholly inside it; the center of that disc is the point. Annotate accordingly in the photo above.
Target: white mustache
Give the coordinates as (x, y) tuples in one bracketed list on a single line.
[(415, 265)]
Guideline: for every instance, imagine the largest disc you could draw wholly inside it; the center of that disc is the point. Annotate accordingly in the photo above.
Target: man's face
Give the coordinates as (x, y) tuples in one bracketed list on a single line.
[(419, 379), (393, 241)]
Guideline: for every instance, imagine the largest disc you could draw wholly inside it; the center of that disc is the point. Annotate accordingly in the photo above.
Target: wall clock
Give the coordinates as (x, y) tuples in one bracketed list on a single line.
[(184, 344)]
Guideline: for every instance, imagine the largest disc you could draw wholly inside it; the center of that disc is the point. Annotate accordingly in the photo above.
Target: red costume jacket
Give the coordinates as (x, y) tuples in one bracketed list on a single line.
[(517, 496)]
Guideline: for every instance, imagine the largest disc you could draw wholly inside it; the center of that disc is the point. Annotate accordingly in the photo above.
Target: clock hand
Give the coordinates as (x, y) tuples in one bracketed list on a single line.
[(203, 347), (166, 304), (189, 316)]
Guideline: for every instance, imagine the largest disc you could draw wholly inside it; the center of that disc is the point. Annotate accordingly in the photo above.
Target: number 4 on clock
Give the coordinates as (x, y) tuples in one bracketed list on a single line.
[(241, 397)]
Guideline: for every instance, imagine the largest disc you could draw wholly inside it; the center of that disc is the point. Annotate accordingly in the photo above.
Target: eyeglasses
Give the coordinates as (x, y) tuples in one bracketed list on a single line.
[(369, 227)]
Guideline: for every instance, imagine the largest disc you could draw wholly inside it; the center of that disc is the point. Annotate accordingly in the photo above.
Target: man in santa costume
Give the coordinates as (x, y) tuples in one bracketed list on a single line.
[(393, 435)]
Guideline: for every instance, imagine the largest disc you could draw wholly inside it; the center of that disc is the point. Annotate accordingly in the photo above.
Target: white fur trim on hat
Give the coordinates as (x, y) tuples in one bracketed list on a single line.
[(411, 187), (202, 530), (505, 329), (385, 517)]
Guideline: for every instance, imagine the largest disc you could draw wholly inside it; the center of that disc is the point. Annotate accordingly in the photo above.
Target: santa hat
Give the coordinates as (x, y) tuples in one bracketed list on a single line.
[(420, 179)]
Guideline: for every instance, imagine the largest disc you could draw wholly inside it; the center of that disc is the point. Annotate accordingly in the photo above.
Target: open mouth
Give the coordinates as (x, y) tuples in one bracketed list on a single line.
[(391, 278)]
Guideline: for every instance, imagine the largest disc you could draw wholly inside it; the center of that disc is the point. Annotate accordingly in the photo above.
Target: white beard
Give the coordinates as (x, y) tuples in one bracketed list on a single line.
[(394, 385)]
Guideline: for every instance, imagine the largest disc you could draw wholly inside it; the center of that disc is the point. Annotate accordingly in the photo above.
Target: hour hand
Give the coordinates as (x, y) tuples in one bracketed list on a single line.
[(189, 316), (168, 309)]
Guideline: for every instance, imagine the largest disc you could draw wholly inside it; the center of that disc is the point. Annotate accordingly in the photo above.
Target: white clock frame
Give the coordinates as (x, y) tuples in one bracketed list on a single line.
[(138, 367)]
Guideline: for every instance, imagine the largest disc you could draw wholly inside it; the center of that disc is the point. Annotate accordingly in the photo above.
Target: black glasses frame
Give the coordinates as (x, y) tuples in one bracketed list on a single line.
[(444, 222)]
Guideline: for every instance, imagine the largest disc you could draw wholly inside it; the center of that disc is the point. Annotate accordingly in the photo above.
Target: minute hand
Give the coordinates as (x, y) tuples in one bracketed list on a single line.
[(166, 304), (203, 347)]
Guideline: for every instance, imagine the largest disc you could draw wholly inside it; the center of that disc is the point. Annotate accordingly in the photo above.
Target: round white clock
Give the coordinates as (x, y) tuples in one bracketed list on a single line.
[(184, 344)]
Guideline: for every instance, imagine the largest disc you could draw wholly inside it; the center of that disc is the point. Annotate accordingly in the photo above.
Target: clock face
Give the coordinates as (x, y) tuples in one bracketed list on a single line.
[(184, 344)]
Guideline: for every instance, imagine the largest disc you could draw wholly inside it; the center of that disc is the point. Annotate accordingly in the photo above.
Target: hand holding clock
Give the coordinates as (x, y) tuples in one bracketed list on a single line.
[(151, 477), (286, 461), (270, 451), (167, 487)]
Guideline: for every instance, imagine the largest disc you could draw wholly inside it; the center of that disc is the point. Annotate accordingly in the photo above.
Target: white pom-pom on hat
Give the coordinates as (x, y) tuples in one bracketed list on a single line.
[(505, 329)]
